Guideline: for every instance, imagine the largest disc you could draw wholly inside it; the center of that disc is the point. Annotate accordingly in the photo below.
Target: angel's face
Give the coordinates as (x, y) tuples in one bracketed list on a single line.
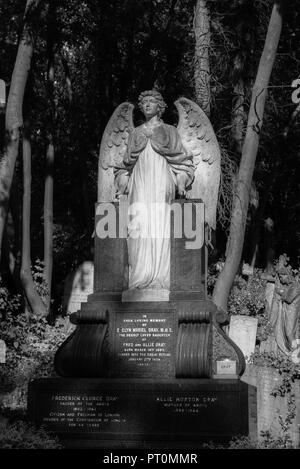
[(150, 107)]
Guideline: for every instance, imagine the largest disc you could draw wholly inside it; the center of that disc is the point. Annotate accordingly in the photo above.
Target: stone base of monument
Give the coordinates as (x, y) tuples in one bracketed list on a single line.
[(142, 368), (140, 413)]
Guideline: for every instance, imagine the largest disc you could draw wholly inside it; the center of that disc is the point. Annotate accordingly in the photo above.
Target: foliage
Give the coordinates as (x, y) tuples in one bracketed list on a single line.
[(23, 332), (247, 296), (286, 368), (282, 266), (39, 279), (31, 345), (268, 441), (289, 373), (22, 435), (9, 303)]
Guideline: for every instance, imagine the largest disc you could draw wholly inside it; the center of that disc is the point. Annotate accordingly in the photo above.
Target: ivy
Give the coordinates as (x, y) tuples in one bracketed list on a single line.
[(22, 435), (288, 370)]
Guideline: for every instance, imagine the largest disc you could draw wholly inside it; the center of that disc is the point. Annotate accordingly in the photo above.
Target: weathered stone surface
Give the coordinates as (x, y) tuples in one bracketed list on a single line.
[(242, 331)]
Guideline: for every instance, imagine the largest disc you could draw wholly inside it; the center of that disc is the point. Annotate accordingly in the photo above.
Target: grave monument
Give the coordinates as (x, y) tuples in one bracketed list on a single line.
[(78, 286), (149, 365)]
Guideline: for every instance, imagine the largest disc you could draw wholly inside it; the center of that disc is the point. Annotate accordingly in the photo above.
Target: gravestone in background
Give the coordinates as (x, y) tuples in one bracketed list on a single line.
[(2, 351), (2, 94), (78, 286), (242, 331)]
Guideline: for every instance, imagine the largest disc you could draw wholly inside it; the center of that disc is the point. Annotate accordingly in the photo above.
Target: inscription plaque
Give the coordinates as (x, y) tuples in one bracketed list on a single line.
[(143, 344), (110, 413), (76, 412)]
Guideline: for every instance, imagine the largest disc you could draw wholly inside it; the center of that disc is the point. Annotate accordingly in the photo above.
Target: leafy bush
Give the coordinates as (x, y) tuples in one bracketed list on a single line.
[(284, 365), (268, 441), (247, 297), (22, 435), (28, 334), (8, 303), (32, 343), (41, 285)]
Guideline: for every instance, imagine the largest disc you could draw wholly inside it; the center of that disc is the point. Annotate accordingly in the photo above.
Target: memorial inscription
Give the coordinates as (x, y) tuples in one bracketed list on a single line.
[(75, 412), (187, 404), (100, 411), (143, 344)]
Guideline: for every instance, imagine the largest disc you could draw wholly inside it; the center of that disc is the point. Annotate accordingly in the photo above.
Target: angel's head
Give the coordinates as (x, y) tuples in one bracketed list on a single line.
[(151, 102)]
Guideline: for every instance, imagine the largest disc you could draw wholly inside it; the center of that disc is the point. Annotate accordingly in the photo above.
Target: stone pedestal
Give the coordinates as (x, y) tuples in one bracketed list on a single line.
[(91, 350), (140, 413), (140, 368)]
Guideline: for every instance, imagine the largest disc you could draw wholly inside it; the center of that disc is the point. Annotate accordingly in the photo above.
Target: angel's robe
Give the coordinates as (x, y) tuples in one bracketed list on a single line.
[(285, 316), (165, 141), (153, 160)]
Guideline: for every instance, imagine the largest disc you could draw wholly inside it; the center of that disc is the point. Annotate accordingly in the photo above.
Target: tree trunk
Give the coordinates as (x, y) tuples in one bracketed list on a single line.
[(48, 220), (269, 244), (9, 262), (127, 73), (279, 147), (255, 229), (87, 217), (48, 194), (67, 77), (15, 229), (202, 43), (238, 117), (34, 301), (250, 148), (14, 119)]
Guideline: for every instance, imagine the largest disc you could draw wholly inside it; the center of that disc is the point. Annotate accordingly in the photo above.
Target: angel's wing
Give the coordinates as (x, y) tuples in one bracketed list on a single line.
[(112, 149), (198, 138)]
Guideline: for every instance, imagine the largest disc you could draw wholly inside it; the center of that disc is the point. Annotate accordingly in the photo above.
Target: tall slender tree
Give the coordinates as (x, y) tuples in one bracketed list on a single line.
[(34, 301), (246, 168), (14, 118), (202, 44), (50, 153)]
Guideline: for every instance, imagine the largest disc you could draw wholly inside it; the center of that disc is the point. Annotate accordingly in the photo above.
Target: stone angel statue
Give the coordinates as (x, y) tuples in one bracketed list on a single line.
[(151, 163)]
